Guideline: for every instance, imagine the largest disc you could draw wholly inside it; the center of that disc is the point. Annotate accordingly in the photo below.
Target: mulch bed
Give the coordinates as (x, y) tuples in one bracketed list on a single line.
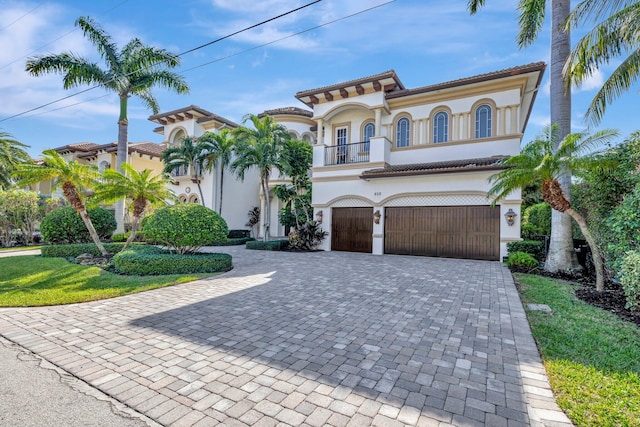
[(612, 299)]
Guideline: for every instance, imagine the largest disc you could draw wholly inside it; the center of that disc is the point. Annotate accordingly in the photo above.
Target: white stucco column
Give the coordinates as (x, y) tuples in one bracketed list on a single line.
[(456, 127), (501, 128), (320, 139), (514, 119), (378, 123), (425, 131), (378, 232)]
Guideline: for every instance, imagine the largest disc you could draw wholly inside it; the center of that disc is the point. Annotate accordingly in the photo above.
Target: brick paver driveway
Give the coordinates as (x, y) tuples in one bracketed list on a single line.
[(309, 339)]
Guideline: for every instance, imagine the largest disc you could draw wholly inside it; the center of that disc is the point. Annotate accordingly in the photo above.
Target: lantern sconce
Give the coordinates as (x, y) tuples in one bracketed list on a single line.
[(376, 217), (319, 217), (510, 216)]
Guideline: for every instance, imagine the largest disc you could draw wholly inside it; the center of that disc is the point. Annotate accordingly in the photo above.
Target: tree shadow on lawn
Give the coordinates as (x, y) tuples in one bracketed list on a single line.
[(402, 339)]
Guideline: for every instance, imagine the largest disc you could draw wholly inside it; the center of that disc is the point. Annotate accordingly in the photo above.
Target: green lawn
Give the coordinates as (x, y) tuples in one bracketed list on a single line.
[(592, 357), (33, 281)]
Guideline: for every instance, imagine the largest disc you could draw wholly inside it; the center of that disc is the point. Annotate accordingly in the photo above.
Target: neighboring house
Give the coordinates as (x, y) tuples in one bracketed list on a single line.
[(142, 155), (238, 197), (405, 171)]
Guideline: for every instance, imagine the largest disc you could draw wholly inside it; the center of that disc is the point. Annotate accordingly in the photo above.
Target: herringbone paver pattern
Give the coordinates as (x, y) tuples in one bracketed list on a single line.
[(316, 339)]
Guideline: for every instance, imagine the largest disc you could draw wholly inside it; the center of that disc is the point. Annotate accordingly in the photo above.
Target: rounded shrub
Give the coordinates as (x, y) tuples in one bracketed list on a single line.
[(185, 227), (521, 259), (532, 247), (64, 225)]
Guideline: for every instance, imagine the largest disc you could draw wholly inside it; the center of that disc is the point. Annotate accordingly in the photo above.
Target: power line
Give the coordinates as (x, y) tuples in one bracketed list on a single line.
[(19, 18), (237, 53), (58, 38), (189, 51)]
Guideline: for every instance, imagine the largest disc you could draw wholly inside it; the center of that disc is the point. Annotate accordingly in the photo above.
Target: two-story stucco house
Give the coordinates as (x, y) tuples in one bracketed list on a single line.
[(405, 171)]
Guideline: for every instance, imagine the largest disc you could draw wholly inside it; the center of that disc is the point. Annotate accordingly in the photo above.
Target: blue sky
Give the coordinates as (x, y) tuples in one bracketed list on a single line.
[(424, 41)]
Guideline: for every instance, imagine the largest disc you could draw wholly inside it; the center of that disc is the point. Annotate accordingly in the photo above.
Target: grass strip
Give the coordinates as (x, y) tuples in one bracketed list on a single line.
[(592, 357)]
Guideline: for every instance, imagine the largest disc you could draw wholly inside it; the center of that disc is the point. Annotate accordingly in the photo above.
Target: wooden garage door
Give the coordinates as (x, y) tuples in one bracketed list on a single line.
[(444, 231), (352, 229)]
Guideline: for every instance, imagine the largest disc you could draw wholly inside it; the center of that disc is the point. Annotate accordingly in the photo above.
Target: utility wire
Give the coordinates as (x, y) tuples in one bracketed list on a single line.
[(238, 53), (19, 18), (58, 38), (183, 53)]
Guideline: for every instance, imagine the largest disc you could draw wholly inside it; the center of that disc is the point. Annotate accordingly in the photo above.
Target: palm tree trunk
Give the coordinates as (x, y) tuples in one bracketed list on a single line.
[(561, 254), (221, 188), (597, 257), (134, 230), (71, 194), (200, 191), (121, 156), (267, 206)]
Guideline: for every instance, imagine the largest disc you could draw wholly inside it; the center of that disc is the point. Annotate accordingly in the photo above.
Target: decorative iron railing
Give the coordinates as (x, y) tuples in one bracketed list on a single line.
[(357, 152)]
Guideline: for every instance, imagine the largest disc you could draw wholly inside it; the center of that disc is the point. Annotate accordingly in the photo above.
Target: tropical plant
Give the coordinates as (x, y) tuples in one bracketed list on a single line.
[(540, 162), (217, 149), (624, 229), (72, 176), (185, 227), (263, 148), (186, 156), (11, 153), (253, 218), (615, 34), (19, 210), (131, 71), (531, 19), (141, 188)]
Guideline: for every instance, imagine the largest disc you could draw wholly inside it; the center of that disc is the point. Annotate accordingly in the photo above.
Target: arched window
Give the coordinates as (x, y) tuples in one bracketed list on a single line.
[(103, 166), (441, 127), (483, 121), (293, 134), (402, 132), (193, 199), (182, 198), (178, 137), (369, 132)]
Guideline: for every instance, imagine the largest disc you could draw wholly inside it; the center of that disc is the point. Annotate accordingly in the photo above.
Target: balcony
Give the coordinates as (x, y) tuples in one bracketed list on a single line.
[(344, 154)]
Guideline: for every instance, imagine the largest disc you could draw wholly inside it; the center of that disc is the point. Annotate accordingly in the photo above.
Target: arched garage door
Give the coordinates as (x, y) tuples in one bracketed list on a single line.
[(471, 232)]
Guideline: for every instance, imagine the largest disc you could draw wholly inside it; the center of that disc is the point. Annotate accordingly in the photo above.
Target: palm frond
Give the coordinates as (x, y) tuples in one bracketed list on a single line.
[(100, 39), (531, 20)]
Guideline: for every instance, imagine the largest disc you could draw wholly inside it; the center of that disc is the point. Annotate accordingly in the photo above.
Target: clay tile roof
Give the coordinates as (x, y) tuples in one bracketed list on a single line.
[(149, 148), (449, 166), (80, 146), (180, 114), (215, 117), (513, 71), (296, 111)]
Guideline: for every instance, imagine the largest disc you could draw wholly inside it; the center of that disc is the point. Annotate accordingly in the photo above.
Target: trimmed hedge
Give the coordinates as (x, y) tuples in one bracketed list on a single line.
[(630, 279), (273, 245), (233, 241), (150, 260), (238, 234), (532, 247), (75, 249)]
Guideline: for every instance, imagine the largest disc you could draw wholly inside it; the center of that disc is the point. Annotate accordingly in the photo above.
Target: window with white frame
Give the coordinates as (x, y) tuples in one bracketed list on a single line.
[(402, 132), (483, 121), (441, 127), (369, 132)]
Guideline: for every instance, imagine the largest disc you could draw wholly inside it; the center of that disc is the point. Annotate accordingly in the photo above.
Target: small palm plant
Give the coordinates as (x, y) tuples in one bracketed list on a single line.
[(142, 188), (72, 177), (539, 163)]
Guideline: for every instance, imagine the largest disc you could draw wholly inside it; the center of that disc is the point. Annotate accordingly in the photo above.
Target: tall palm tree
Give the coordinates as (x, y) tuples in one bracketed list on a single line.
[(217, 149), (531, 19), (131, 71), (72, 176), (186, 156), (11, 153), (615, 35), (543, 161), (263, 148), (142, 188)]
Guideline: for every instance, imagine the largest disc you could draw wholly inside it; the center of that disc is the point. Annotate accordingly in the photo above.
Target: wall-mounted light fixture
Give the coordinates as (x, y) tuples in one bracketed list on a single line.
[(510, 216), (319, 217), (376, 217)]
